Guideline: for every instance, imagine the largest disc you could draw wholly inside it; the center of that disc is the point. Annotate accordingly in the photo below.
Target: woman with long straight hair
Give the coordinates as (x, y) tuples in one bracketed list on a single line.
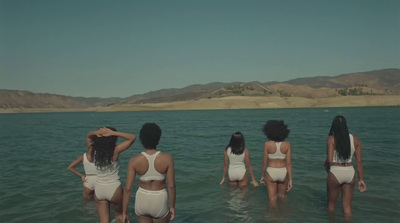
[(340, 148), (236, 155), (108, 190)]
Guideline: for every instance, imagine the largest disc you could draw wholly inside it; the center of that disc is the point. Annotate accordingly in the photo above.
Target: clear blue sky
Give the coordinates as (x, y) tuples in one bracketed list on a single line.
[(121, 48)]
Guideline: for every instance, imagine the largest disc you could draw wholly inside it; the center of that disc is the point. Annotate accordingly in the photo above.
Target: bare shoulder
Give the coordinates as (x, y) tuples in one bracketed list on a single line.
[(136, 158), (269, 143), (356, 140), (285, 147), (166, 156), (330, 140), (286, 143)]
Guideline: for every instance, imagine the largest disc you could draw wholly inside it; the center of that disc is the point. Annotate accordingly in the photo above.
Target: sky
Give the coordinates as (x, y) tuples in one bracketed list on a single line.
[(122, 48)]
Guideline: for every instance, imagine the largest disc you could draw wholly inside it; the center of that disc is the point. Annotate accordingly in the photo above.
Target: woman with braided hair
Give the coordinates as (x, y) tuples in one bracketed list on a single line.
[(340, 148)]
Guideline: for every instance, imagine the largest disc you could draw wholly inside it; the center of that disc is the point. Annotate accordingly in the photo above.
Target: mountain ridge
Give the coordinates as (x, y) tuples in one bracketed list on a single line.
[(376, 82)]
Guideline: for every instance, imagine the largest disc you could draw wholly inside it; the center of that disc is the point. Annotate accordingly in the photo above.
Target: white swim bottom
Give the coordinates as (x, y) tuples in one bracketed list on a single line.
[(151, 203), (344, 174), (236, 173), (106, 191), (90, 181), (277, 174)]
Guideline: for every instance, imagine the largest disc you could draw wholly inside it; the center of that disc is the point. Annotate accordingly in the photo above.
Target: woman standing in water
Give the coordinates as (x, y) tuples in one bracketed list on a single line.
[(108, 188), (236, 155), (151, 204), (89, 179), (340, 148), (277, 156)]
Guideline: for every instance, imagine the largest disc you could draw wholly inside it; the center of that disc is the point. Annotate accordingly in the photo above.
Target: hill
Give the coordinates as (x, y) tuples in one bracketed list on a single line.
[(379, 82)]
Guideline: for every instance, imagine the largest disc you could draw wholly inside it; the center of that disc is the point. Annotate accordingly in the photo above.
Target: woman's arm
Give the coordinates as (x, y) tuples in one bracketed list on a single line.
[(130, 179), (264, 163), (73, 165), (226, 161), (248, 164), (171, 186), (330, 147), (361, 184), (89, 138), (129, 139), (289, 166)]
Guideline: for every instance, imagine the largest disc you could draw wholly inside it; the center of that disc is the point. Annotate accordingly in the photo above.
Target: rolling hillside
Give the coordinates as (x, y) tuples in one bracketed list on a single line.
[(379, 82)]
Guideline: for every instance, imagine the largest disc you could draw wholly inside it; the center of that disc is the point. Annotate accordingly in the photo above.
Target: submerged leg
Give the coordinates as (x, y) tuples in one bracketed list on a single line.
[(272, 187), (334, 188), (103, 208), (347, 197)]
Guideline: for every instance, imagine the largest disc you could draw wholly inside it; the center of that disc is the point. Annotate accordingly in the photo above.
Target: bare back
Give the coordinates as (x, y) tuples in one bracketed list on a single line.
[(161, 165), (271, 149)]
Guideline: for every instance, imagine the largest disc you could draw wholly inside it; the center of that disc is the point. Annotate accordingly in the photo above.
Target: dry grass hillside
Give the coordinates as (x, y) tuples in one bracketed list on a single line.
[(373, 88)]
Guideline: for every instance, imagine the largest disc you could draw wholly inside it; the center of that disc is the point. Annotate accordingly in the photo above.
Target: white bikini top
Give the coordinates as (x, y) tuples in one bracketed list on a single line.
[(90, 168), (336, 158), (152, 173), (278, 154)]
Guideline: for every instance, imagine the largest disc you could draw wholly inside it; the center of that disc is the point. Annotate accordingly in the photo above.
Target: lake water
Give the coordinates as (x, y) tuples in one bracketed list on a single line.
[(35, 185)]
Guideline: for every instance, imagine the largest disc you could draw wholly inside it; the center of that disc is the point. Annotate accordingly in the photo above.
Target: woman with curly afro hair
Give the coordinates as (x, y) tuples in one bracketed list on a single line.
[(276, 171), (156, 180)]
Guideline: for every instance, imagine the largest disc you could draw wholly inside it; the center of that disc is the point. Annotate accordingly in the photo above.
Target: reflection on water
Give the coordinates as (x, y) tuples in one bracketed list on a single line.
[(238, 205)]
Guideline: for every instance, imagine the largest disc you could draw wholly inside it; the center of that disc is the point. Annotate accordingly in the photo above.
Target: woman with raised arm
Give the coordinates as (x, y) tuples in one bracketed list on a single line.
[(154, 168), (340, 148), (236, 155), (277, 161), (108, 188)]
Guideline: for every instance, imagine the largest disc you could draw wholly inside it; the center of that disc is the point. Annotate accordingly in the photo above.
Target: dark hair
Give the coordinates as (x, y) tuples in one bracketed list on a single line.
[(276, 130), (104, 149), (150, 135), (340, 132), (237, 143)]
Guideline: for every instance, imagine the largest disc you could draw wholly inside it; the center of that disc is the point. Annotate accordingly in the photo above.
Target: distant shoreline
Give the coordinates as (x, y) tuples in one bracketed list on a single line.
[(234, 102)]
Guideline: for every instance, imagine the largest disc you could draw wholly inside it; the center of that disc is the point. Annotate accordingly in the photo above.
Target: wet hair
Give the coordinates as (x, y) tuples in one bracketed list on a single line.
[(276, 130), (150, 135), (237, 143), (340, 132), (104, 149)]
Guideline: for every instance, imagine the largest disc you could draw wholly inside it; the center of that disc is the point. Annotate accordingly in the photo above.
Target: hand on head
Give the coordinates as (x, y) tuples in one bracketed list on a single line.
[(104, 132)]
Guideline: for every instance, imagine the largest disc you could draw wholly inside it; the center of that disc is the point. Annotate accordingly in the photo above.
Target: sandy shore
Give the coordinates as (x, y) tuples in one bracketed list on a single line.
[(238, 102)]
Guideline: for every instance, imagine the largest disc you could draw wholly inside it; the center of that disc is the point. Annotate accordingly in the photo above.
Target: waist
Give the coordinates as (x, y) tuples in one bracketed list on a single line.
[(236, 165), (341, 164), (107, 178), (161, 191), (152, 185)]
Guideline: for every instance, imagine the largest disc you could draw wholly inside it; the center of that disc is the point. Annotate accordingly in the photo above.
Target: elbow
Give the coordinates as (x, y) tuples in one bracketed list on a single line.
[(127, 190), (132, 138), (171, 186)]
